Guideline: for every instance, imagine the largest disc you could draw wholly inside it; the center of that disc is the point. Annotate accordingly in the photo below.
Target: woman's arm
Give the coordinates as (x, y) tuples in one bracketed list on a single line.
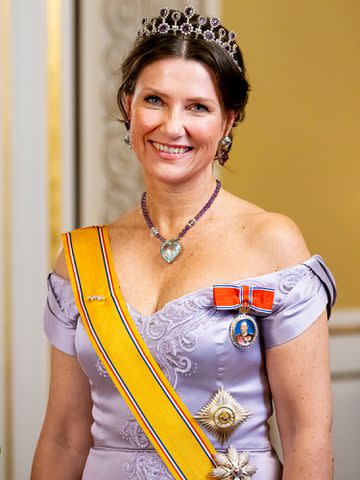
[(298, 371), (65, 437), (299, 376)]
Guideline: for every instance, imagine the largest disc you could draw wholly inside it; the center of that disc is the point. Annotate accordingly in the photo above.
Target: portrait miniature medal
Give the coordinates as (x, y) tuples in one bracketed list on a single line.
[(243, 329)]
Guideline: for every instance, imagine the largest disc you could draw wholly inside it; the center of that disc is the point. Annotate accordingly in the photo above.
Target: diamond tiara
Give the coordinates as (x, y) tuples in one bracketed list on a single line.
[(205, 28)]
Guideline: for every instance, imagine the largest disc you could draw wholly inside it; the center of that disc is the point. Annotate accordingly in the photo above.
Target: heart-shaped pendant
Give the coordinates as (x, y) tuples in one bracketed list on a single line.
[(170, 250)]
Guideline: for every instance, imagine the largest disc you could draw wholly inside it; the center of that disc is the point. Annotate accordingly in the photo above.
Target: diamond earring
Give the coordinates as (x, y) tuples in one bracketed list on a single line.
[(127, 139), (223, 152)]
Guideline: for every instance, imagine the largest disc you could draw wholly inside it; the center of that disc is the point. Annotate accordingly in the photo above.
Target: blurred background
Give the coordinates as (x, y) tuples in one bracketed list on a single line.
[(63, 164)]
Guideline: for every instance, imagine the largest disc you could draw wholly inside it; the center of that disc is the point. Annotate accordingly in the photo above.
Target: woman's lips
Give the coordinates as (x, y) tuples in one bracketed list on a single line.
[(170, 151)]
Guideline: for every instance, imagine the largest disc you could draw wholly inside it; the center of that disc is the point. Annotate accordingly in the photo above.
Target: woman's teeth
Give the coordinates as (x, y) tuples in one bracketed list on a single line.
[(175, 150)]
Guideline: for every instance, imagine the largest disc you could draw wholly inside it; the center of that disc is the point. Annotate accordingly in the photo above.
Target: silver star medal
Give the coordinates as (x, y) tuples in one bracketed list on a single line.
[(233, 465), (222, 415)]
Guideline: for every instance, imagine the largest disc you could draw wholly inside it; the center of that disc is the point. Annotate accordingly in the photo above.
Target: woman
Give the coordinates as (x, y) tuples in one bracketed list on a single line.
[(184, 90)]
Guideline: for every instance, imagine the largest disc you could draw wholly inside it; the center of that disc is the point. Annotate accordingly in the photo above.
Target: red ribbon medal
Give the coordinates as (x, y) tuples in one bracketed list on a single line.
[(243, 329)]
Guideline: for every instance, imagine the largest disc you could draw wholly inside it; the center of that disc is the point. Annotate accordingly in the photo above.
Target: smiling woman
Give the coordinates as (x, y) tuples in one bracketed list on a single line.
[(176, 125), (166, 355)]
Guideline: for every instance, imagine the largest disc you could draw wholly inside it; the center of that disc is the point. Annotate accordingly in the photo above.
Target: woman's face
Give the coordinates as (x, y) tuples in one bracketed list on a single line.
[(176, 118)]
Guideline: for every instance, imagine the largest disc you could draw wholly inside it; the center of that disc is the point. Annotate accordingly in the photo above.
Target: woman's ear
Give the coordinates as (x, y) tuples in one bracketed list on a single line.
[(127, 104), (230, 122)]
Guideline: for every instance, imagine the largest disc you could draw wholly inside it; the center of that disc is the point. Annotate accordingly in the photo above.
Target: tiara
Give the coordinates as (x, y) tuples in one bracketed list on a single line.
[(205, 29)]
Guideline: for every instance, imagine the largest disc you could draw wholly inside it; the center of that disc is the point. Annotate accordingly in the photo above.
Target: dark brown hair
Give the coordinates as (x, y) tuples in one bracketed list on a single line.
[(232, 84)]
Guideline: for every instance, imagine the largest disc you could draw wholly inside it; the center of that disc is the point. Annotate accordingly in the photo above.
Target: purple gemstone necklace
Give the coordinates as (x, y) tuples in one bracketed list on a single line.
[(170, 249)]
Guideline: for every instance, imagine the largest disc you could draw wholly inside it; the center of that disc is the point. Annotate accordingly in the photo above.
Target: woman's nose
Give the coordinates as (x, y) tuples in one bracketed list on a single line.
[(173, 124)]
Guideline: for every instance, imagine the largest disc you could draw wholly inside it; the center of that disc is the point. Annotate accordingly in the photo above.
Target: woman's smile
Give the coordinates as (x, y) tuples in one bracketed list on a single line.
[(170, 151), (176, 124)]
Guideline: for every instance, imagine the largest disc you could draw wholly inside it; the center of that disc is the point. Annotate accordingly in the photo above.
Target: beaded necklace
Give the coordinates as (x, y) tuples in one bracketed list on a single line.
[(171, 249)]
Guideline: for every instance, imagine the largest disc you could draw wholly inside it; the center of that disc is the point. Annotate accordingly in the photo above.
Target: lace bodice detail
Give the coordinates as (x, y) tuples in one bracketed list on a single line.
[(189, 338)]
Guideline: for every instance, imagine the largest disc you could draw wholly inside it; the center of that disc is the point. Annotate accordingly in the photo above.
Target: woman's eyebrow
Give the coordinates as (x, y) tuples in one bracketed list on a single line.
[(154, 91), (201, 100)]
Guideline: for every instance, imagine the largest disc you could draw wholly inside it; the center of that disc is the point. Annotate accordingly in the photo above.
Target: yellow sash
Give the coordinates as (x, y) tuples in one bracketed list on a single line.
[(163, 416)]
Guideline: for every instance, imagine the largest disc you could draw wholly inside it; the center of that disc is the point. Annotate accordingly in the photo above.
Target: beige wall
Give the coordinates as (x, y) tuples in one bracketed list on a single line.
[(298, 150)]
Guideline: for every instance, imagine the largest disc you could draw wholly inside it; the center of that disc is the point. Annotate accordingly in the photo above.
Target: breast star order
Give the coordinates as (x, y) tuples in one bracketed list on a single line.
[(222, 415)]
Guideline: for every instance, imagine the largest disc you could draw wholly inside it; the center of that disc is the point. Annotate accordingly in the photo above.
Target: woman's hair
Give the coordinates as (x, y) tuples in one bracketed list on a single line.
[(228, 68)]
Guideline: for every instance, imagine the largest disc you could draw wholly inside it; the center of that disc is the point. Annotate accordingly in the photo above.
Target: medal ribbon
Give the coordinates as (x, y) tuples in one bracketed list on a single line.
[(229, 297), (165, 419)]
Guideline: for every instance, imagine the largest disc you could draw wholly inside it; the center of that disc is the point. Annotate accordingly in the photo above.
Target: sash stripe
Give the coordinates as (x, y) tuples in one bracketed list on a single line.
[(112, 283), (112, 367), (101, 274)]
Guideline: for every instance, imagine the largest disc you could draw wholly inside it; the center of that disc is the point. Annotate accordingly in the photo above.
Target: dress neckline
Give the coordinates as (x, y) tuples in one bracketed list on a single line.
[(199, 290)]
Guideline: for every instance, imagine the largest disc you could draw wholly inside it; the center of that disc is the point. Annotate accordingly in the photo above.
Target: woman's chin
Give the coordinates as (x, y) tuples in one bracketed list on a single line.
[(169, 175), (171, 179)]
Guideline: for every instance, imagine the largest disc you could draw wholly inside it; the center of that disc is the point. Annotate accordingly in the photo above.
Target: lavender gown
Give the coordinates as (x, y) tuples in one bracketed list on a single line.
[(190, 340)]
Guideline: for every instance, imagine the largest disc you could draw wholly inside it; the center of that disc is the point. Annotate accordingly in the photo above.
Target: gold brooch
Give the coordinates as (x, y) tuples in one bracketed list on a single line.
[(222, 415)]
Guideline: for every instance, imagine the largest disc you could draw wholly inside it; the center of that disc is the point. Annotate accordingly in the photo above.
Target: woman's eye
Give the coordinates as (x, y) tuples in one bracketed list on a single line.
[(153, 100), (199, 107)]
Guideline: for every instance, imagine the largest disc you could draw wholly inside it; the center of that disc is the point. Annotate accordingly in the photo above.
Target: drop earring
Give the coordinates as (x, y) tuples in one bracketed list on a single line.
[(223, 152), (127, 138)]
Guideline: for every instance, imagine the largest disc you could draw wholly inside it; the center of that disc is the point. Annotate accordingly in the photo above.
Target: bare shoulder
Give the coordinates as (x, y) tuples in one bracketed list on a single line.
[(125, 228), (272, 239), (60, 265), (279, 239), (131, 218), (117, 228)]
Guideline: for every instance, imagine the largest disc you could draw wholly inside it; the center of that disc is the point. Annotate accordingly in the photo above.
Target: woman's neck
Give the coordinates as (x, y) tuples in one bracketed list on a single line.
[(171, 206)]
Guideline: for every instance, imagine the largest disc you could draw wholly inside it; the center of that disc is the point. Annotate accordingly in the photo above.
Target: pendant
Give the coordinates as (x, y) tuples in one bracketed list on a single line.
[(222, 415), (243, 331), (169, 250), (233, 465)]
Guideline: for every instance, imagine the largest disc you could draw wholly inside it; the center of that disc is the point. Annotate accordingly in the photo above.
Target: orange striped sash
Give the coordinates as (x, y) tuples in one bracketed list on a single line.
[(165, 419)]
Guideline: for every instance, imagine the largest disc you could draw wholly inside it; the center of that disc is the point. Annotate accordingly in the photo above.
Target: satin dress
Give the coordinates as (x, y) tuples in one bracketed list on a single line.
[(190, 340)]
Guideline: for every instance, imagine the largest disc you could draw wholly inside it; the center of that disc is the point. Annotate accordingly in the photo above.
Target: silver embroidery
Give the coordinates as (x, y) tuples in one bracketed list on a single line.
[(146, 466), (171, 336), (101, 369), (291, 277), (64, 296), (171, 332), (133, 433)]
